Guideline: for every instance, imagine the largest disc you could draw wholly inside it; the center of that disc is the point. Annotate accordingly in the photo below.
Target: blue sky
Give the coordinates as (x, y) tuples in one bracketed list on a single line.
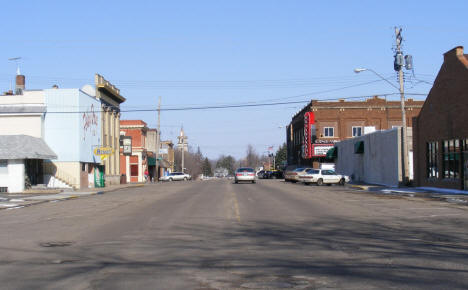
[(226, 52)]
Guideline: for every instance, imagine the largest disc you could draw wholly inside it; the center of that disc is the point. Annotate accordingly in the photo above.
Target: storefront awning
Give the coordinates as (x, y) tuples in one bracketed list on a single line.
[(332, 153), (162, 162), (24, 147)]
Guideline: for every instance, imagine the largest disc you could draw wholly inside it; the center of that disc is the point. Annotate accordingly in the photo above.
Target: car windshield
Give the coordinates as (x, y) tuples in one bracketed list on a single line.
[(298, 169), (246, 169)]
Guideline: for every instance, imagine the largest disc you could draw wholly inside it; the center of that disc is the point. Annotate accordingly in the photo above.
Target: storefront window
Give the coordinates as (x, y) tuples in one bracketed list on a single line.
[(432, 166), (451, 159)]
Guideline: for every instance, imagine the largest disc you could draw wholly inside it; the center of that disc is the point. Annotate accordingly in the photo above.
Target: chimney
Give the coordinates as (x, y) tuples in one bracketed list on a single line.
[(20, 84)]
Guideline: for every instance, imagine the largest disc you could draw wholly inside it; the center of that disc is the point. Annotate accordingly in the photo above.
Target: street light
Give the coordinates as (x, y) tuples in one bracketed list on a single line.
[(358, 70), (403, 116)]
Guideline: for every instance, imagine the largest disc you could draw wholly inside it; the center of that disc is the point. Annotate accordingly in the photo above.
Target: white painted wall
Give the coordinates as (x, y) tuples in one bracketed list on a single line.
[(21, 124), (72, 136), (14, 177), (379, 164), (28, 97)]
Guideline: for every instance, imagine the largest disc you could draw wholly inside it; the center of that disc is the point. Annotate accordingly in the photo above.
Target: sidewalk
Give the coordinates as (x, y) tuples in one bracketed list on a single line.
[(444, 194), (28, 198)]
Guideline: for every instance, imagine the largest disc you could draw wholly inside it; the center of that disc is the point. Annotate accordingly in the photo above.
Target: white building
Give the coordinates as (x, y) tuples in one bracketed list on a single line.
[(21, 158), (374, 158)]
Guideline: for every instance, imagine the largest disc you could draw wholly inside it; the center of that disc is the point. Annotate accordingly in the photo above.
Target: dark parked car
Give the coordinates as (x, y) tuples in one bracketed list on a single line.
[(274, 174), (261, 174)]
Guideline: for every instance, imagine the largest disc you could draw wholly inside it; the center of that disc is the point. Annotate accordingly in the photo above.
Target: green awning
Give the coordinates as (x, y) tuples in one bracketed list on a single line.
[(162, 162), (332, 153), (359, 147)]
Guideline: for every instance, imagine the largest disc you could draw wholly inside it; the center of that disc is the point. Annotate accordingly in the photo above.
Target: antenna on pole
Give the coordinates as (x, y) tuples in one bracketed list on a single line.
[(16, 60)]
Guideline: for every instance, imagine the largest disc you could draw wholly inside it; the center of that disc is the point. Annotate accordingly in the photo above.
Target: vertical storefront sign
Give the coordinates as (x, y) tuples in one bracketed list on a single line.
[(309, 121)]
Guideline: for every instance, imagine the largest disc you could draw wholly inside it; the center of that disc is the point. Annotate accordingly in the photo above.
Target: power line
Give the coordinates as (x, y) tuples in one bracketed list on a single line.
[(211, 107)]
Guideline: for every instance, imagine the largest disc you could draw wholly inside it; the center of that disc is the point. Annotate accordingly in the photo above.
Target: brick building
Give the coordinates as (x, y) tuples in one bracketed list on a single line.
[(134, 166), (319, 125), (441, 129)]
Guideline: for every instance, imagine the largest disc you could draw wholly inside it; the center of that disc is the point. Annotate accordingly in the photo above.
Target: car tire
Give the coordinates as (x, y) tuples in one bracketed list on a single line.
[(320, 182), (293, 181), (170, 179), (306, 183), (253, 181), (342, 182), (235, 181), (185, 178)]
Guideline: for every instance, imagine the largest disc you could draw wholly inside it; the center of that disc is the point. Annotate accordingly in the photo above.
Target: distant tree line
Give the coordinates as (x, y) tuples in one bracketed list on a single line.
[(197, 164)]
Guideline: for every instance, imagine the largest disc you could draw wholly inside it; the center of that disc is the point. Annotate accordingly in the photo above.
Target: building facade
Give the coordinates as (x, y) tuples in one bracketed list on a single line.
[(110, 99), (318, 126), (441, 129), (134, 166), (23, 114), (21, 161), (374, 158), (23, 150), (72, 129)]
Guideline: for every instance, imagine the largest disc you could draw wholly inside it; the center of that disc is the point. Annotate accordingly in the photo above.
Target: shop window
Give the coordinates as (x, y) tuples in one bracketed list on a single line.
[(451, 159), (357, 131), (134, 170), (3, 166), (329, 132), (432, 151)]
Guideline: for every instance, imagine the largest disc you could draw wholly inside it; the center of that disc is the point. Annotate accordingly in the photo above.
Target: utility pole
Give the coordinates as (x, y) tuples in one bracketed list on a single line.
[(158, 136), (183, 149), (398, 66)]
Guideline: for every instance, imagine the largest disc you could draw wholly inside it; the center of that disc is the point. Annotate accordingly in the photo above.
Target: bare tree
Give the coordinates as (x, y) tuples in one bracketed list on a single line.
[(251, 158), (193, 162)]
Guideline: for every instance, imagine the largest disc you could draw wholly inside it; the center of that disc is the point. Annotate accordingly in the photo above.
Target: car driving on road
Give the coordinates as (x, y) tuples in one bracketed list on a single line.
[(244, 174), (176, 176), (323, 176)]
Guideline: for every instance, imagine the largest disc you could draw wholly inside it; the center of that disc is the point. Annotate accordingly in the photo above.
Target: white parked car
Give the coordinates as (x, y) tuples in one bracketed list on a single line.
[(176, 176), (323, 176), (293, 175)]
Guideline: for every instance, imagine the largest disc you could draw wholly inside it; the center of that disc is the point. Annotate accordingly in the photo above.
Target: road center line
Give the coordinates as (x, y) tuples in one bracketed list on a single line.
[(236, 207)]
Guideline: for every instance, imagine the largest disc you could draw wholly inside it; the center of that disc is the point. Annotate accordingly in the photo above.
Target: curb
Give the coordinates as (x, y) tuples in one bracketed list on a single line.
[(362, 187), (71, 197)]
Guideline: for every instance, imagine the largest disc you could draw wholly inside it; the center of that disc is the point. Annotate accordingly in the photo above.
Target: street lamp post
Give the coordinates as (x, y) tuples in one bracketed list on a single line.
[(403, 116)]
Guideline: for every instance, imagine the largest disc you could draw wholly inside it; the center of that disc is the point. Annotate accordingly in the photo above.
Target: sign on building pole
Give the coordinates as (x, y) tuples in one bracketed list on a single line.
[(103, 152)]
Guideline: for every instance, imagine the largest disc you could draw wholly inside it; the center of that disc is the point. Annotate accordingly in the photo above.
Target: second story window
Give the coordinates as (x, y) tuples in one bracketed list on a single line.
[(357, 131), (328, 132)]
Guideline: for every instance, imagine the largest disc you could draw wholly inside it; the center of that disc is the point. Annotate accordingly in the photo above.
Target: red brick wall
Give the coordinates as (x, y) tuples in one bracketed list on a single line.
[(343, 115), (444, 116)]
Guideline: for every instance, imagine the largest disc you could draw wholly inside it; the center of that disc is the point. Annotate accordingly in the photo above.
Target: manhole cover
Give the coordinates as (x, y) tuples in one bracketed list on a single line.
[(56, 244)]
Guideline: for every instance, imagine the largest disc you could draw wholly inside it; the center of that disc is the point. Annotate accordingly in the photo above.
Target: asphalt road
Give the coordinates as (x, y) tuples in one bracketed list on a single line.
[(220, 235)]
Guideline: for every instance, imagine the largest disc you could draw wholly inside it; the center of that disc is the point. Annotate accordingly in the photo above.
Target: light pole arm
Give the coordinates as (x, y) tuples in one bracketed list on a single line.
[(380, 76)]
